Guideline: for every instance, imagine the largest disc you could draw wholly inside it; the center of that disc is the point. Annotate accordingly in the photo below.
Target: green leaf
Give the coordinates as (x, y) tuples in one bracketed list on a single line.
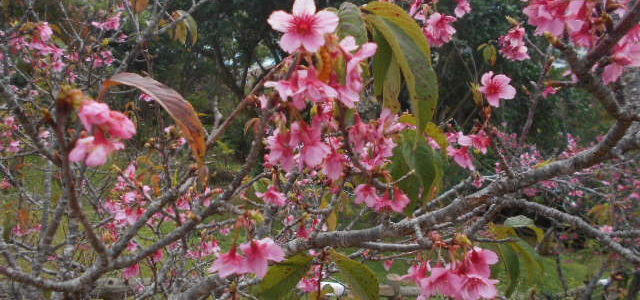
[(511, 263), (381, 62), (392, 87), (282, 278), (414, 153), (351, 23), (530, 261), (363, 282), (412, 52)]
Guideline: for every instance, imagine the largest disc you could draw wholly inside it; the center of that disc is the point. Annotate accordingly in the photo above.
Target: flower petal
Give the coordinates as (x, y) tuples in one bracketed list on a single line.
[(280, 20), (290, 42), (304, 7), (326, 22), (312, 41)]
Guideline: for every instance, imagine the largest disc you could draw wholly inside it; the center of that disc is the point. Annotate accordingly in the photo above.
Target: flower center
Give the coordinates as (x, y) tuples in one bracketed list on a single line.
[(303, 24)]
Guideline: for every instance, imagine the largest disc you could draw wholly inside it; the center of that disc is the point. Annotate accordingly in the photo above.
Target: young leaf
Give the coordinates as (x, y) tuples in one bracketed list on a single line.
[(490, 54), (282, 278), (178, 108), (188, 26), (363, 282), (351, 23)]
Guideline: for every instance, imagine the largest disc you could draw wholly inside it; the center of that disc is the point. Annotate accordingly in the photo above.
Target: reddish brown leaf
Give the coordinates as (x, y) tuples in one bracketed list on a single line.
[(140, 5), (180, 109)]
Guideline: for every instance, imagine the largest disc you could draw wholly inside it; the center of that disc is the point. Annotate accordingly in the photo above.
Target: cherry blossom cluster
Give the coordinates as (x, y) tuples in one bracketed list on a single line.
[(36, 41), (513, 46), (257, 254), (462, 153), (107, 128), (8, 139), (438, 26), (325, 143), (586, 23), (468, 279)]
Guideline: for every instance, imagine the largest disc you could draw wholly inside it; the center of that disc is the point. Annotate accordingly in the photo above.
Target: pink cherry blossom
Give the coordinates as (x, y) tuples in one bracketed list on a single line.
[(438, 29), (257, 253), (606, 229), (5, 184), (334, 164), (94, 151), (554, 16), (157, 256), (280, 153), (548, 91), (481, 141), (397, 201), (131, 272), (463, 7), (273, 196), (304, 27), (442, 281), (112, 23), (302, 86), (308, 284), (474, 287), (513, 46), (417, 272), (625, 54), (388, 264), (314, 150), (496, 87), (44, 32), (462, 157), (120, 126), (478, 261), (229, 263), (312, 87), (93, 113), (416, 10), (350, 92), (368, 194)]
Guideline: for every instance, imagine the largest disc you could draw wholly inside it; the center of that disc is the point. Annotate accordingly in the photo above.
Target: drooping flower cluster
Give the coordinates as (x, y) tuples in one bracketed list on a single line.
[(107, 128), (395, 200), (554, 16), (438, 29), (513, 45), (462, 154), (44, 53), (626, 54), (257, 254), (8, 139), (111, 23), (465, 280), (273, 196), (438, 26)]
